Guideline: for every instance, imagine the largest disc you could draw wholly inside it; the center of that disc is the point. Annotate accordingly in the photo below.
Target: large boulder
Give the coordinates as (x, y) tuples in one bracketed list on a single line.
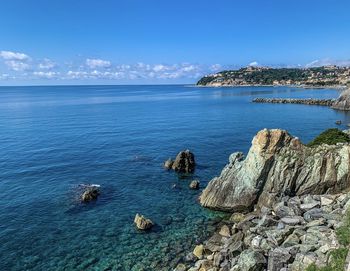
[(184, 162), (343, 102), (277, 164), (143, 223)]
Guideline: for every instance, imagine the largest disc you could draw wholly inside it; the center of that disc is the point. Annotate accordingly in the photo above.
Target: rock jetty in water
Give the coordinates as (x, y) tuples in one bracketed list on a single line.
[(183, 163), (322, 102), (143, 223), (277, 165)]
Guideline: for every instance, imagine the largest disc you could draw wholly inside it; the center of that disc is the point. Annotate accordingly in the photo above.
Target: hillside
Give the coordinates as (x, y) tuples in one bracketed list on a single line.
[(249, 76)]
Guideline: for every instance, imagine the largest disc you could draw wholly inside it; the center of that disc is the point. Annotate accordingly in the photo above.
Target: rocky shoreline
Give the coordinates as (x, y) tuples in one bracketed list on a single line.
[(286, 203), (310, 101), (292, 235)]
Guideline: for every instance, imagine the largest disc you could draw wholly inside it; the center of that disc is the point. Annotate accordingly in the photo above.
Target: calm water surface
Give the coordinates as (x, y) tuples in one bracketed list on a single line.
[(55, 138)]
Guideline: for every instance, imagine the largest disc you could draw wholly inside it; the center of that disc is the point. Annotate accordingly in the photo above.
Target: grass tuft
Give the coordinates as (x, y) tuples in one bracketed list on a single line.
[(337, 256)]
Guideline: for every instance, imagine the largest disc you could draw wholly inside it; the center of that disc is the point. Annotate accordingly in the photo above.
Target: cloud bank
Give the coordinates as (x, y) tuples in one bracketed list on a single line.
[(17, 66)]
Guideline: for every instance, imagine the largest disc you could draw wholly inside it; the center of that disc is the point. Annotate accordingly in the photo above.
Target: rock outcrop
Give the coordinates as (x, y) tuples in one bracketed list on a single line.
[(184, 162), (277, 164), (343, 102), (91, 193), (143, 223)]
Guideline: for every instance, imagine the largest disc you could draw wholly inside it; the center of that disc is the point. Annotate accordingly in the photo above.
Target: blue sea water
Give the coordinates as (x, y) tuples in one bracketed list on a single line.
[(55, 138)]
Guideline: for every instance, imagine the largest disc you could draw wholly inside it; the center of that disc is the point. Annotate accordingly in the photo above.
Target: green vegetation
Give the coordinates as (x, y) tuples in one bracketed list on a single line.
[(320, 76), (336, 263), (343, 232), (330, 137), (337, 256)]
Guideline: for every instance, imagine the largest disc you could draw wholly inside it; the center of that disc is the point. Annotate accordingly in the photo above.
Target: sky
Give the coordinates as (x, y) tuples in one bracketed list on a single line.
[(162, 41)]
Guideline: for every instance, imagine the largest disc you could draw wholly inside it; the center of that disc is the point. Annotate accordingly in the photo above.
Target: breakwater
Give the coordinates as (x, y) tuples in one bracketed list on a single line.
[(310, 101)]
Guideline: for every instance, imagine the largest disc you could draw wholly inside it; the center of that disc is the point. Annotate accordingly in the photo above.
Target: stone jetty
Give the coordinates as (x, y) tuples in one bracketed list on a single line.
[(322, 102)]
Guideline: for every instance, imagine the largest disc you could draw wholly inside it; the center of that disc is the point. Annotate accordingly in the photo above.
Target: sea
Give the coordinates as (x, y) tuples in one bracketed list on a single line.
[(54, 139)]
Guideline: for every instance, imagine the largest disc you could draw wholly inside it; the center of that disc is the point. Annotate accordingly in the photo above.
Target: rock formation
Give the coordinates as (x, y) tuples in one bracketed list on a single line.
[(184, 162), (143, 223), (343, 102), (277, 164), (90, 193)]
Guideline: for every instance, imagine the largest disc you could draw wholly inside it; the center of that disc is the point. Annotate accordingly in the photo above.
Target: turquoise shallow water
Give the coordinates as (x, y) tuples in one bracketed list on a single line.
[(55, 138)]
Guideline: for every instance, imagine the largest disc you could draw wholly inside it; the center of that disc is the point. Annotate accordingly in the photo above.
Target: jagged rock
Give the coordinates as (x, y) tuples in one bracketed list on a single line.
[(278, 258), (90, 193), (278, 163), (225, 231), (292, 220), (194, 185), (343, 102), (251, 260), (180, 267), (198, 251), (143, 223), (238, 217), (184, 162), (326, 200), (168, 164)]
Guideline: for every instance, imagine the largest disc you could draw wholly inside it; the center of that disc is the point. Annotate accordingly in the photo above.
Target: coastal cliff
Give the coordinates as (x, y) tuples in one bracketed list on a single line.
[(262, 76), (278, 164)]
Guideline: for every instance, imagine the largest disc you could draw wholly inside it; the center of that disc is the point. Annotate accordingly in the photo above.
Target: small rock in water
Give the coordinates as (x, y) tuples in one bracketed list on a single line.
[(194, 185), (338, 122), (90, 193), (168, 164), (184, 162), (143, 223)]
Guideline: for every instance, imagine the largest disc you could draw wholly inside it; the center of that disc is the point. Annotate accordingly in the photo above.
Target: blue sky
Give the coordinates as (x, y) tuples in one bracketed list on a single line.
[(160, 41)]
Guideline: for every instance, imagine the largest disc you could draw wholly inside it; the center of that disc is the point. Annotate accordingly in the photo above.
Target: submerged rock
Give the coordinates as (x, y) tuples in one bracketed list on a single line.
[(277, 165), (143, 223), (184, 162), (90, 193), (194, 185)]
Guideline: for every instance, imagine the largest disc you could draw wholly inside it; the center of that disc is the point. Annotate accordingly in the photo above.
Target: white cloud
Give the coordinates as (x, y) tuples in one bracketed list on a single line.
[(253, 64), (47, 64), (215, 67), (97, 63), (47, 75), (17, 65), (8, 55), (327, 62)]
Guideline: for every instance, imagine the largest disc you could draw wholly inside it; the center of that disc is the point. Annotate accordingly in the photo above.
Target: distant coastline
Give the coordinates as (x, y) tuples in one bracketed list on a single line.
[(320, 77)]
